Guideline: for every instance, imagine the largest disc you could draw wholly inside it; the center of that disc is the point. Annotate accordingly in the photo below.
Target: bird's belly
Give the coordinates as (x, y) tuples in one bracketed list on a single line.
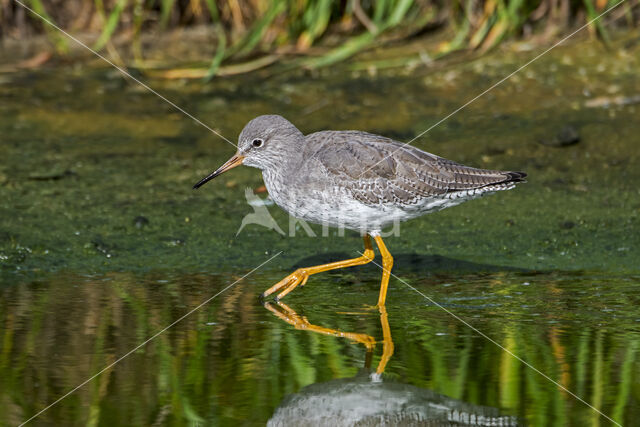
[(338, 208), (335, 206), (351, 214)]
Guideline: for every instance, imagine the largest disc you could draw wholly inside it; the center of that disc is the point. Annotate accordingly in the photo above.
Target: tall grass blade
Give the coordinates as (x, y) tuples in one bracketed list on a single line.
[(348, 49), (56, 38), (255, 34), (166, 7), (219, 56), (111, 25), (591, 16)]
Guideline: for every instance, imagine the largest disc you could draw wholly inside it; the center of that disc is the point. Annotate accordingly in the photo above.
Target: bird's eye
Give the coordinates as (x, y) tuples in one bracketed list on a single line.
[(257, 142)]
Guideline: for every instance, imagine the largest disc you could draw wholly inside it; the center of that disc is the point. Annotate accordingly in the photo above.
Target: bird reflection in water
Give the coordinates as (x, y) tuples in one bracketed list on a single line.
[(367, 400)]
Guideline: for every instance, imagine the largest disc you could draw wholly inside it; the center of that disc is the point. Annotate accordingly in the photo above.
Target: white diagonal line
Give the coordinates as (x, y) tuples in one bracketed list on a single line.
[(479, 332), (493, 86), (144, 342), (124, 72)]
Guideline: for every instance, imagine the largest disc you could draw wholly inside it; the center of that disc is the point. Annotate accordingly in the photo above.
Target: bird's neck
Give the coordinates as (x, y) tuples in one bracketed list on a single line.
[(288, 160), (277, 171)]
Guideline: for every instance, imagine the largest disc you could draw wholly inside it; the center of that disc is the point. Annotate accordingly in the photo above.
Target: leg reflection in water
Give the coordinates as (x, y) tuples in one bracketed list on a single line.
[(287, 314)]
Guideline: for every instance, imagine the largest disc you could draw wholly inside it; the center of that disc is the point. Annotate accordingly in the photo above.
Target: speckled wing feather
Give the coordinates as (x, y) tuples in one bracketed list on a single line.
[(380, 170)]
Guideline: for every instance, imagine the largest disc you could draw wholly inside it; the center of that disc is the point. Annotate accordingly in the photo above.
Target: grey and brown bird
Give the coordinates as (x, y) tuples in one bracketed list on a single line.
[(356, 180)]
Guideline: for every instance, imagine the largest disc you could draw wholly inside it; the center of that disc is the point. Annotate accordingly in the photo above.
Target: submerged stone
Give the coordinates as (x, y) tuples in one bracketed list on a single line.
[(565, 137)]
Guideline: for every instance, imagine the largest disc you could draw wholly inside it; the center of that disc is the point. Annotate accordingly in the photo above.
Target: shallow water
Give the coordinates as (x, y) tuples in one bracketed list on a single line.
[(103, 244)]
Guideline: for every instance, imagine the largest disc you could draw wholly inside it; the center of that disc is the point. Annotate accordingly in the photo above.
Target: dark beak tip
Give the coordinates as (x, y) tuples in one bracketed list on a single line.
[(206, 179), (231, 163)]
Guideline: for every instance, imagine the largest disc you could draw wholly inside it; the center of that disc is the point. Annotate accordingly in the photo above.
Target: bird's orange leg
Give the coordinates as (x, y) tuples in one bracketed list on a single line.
[(287, 314), (387, 265), (301, 275)]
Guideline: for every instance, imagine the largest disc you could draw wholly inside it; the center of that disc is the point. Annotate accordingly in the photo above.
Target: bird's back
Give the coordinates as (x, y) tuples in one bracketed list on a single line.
[(379, 170)]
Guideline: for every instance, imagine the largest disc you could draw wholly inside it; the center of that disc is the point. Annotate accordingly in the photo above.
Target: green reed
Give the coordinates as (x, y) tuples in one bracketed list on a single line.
[(337, 30)]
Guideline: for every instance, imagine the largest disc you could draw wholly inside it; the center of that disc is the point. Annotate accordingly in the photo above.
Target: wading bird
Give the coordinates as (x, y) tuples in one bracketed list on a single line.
[(356, 180)]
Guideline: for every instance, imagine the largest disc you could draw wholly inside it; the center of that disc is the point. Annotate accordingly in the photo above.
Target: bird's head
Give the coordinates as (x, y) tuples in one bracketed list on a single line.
[(265, 142)]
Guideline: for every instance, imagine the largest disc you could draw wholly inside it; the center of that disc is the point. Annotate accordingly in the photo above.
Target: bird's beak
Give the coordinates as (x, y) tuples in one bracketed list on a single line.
[(230, 164)]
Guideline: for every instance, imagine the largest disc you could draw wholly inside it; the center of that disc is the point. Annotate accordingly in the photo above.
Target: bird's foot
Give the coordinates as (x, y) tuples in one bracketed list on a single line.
[(289, 283)]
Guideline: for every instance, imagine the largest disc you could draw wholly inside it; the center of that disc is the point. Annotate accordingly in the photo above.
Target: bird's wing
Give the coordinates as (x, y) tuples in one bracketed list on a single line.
[(380, 170)]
